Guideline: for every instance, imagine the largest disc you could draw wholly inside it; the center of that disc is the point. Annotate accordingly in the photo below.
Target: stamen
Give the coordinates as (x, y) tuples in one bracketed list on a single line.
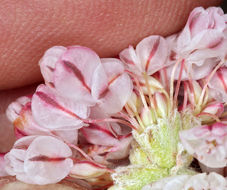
[(92, 163), (112, 120), (190, 86), (210, 115), (131, 119), (185, 96), (151, 99), (164, 78), (73, 146), (139, 89), (178, 84), (172, 83)]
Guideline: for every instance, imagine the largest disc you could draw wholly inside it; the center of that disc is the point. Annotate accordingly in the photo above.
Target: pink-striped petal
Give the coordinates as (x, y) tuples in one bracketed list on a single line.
[(97, 135), (152, 53), (70, 136), (47, 160), (132, 62), (218, 85), (121, 149), (119, 87), (74, 73), (54, 112)]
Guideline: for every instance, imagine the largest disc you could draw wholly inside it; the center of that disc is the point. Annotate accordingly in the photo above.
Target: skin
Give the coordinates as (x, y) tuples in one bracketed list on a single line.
[(28, 28)]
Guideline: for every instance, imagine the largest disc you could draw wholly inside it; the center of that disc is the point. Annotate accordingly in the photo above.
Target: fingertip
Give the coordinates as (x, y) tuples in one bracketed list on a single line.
[(31, 27)]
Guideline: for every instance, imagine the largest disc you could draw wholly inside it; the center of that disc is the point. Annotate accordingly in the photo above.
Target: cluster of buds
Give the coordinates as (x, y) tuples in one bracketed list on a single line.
[(127, 123)]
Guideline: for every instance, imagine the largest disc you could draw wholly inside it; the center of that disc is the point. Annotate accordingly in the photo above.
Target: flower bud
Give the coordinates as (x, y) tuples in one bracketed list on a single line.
[(215, 109), (147, 116), (194, 92), (161, 105), (134, 103), (153, 83)]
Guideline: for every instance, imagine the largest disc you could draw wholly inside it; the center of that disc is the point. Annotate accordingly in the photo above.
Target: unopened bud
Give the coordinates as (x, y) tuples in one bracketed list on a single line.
[(161, 105), (147, 116), (153, 85), (215, 109)]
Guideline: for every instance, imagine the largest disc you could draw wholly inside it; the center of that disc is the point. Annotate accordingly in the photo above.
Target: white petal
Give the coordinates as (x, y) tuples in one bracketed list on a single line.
[(53, 112), (99, 136), (152, 53), (74, 73), (47, 160), (48, 62), (13, 110)]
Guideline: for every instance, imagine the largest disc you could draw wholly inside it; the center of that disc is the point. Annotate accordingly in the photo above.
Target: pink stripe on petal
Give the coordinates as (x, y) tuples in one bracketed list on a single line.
[(98, 135), (114, 78), (152, 53), (52, 102), (68, 65), (222, 79), (43, 158)]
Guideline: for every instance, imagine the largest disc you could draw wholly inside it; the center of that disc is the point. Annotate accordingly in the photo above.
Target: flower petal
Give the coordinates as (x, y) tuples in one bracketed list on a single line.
[(152, 53), (119, 87), (207, 144), (218, 85), (132, 62), (54, 112), (71, 136), (98, 135), (121, 149), (74, 73), (47, 160), (48, 62)]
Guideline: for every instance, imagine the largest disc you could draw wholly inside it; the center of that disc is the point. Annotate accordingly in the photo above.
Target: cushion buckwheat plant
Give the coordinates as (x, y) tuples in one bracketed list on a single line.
[(137, 122)]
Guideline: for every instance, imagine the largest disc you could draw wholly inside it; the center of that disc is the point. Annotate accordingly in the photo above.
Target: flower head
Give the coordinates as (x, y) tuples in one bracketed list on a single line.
[(36, 160), (201, 43)]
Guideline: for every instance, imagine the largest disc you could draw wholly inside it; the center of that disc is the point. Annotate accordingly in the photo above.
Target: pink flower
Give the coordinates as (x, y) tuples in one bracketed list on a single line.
[(207, 143), (213, 109), (218, 85), (20, 114), (149, 56), (48, 63), (81, 84), (202, 43), (39, 160)]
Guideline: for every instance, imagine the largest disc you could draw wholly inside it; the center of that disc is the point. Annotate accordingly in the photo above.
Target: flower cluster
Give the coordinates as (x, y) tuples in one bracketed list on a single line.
[(127, 123)]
